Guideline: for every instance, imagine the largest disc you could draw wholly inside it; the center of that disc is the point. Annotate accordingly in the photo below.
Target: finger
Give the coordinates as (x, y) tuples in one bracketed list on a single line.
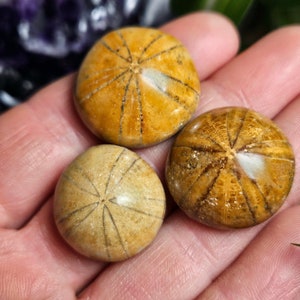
[(268, 268), (40, 137), (264, 77), (206, 55), (187, 257), (32, 260), (36, 140), (183, 260), (39, 231)]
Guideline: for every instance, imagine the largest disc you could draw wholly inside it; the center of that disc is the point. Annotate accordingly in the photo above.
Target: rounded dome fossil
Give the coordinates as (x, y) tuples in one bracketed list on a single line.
[(109, 203), (230, 168), (136, 87)]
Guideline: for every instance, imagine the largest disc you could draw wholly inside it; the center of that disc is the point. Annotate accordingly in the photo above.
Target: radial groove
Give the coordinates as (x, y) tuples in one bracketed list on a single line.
[(86, 176), (102, 86), (192, 186), (82, 189), (240, 126), (126, 46), (141, 114), (78, 221), (148, 46), (163, 52), (123, 104), (114, 51), (112, 170), (106, 209)]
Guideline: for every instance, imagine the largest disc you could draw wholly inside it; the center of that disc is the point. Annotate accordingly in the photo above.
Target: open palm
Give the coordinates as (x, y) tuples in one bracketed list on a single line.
[(186, 260)]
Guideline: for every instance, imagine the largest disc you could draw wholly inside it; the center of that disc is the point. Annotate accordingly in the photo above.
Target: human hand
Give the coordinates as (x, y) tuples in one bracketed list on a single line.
[(187, 260)]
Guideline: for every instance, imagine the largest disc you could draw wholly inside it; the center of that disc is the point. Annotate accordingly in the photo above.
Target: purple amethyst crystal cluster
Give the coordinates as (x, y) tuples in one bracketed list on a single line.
[(41, 40)]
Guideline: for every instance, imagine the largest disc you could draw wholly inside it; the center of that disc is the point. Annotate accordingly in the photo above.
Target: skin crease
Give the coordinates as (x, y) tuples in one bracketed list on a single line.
[(187, 260)]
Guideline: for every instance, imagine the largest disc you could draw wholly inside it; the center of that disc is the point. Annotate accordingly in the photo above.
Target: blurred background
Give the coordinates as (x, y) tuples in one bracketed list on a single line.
[(42, 40)]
